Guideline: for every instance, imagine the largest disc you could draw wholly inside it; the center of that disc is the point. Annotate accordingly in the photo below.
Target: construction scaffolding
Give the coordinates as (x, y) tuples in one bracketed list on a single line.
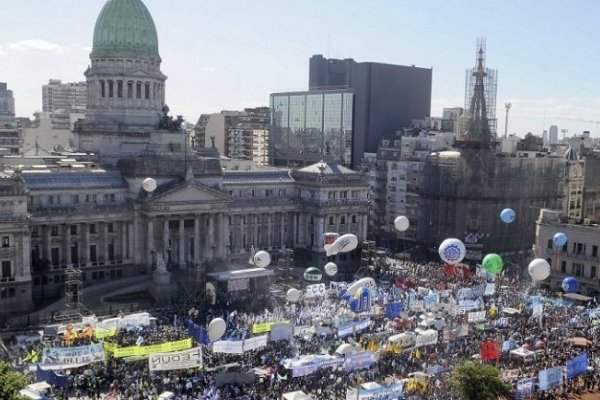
[(73, 310), (285, 263), (368, 248)]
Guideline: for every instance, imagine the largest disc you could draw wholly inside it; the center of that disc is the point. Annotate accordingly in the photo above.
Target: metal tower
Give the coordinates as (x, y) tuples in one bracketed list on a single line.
[(73, 309)]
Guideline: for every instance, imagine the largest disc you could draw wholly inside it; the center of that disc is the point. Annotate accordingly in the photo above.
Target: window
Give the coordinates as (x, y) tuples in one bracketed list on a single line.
[(50, 199), (331, 195), (93, 257), (354, 219), (563, 267), (5, 241), (73, 229), (7, 292), (577, 269), (92, 228), (138, 90), (87, 198), (252, 192), (54, 230), (6, 270), (593, 271), (110, 88), (129, 89), (106, 197), (94, 198), (343, 219), (344, 194), (102, 89), (111, 197), (110, 227), (549, 245), (111, 251), (35, 231), (268, 192), (119, 88), (147, 91), (594, 251), (331, 220), (75, 199), (55, 256)]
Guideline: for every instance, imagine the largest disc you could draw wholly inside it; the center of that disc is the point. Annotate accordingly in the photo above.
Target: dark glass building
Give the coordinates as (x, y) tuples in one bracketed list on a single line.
[(387, 97), (306, 126)]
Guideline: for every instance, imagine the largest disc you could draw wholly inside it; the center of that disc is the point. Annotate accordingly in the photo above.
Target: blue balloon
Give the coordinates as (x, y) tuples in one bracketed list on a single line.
[(354, 305), (560, 239), (570, 285), (508, 215)]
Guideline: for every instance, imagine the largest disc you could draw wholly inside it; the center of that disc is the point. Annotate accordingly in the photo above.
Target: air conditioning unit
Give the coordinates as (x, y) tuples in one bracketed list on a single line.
[(586, 221)]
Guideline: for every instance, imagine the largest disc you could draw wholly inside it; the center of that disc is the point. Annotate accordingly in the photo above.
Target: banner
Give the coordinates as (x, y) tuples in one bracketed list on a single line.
[(455, 332), (468, 305), (525, 388), (138, 319), (490, 350), (476, 316), (316, 290), (426, 338), (120, 352), (359, 360), (393, 391), (509, 344), (256, 342), (538, 311), (490, 289), (105, 333), (71, 357), (352, 327), (550, 377), (510, 375), (266, 326), (198, 332), (282, 332), (51, 377), (577, 366), (502, 322), (176, 360), (393, 310), (417, 306), (228, 346)]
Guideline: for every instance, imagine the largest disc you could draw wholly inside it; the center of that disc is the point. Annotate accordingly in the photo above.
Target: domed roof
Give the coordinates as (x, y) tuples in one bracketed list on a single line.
[(125, 28)]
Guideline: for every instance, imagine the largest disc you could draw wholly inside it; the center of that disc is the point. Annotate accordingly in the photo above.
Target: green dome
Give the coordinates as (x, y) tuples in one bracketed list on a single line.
[(125, 28)]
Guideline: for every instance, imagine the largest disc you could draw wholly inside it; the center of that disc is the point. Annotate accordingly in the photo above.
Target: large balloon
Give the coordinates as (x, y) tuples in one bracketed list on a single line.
[(452, 251), (216, 329), (492, 263), (401, 223), (508, 215), (149, 185), (262, 259), (331, 269), (343, 244), (539, 269), (364, 282), (570, 285), (313, 274), (293, 295), (329, 239), (560, 239)]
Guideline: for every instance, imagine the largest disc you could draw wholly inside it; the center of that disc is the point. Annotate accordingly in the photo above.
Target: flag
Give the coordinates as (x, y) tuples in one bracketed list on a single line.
[(489, 350)]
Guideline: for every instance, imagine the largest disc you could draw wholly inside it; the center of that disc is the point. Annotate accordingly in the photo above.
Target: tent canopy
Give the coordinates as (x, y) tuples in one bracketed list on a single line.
[(298, 395)]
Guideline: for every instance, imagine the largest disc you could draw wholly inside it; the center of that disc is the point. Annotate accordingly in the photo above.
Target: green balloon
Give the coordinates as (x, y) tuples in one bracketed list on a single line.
[(492, 263)]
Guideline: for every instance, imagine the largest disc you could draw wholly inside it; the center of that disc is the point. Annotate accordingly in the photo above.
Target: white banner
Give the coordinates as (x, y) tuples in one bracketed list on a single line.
[(185, 359), (425, 339), (417, 306), (138, 319), (490, 289), (538, 310), (316, 290), (468, 305), (71, 357), (228, 346), (510, 374), (477, 316), (255, 342)]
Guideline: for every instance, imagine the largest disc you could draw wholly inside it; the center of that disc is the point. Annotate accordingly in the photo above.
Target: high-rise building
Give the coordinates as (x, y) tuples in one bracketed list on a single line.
[(553, 134), (306, 126), (211, 130), (68, 96), (387, 97), (7, 105), (249, 138)]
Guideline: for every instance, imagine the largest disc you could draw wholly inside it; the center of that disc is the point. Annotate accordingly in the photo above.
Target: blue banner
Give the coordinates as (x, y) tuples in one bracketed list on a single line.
[(577, 366), (359, 360), (393, 310), (198, 332), (525, 388), (550, 377), (52, 378), (353, 327)]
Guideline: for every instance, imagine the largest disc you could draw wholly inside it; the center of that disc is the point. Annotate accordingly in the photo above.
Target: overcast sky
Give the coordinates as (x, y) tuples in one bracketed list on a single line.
[(226, 54)]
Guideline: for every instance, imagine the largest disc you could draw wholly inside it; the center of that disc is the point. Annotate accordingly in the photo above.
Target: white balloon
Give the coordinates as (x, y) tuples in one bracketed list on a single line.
[(364, 282), (293, 295), (332, 251), (401, 223), (345, 243), (216, 329), (539, 269), (331, 269), (149, 185), (452, 251), (262, 259)]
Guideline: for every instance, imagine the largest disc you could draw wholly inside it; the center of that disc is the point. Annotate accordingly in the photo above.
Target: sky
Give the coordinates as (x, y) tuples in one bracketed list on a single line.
[(231, 54)]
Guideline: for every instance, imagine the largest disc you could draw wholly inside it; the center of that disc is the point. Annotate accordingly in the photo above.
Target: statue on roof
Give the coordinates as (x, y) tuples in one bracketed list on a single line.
[(168, 123)]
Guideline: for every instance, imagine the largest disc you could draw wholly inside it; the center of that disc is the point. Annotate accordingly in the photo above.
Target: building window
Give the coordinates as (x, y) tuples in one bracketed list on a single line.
[(577, 269), (550, 244), (54, 230), (111, 197), (94, 198), (92, 228), (87, 198), (594, 251), (35, 231), (593, 271), (111, 251), (110, 227), (5, 241), (75, 199), (268, 192), (73, 229), (6, 270), (344, 194), (7, 292), (343, 220), (102, 89), (331, 220), (138, 90), (110, 88), (563, 267), (129, 89), (147, 91), (119, 88), (55, 256), (93, 257), (50, 199), (354, 219)]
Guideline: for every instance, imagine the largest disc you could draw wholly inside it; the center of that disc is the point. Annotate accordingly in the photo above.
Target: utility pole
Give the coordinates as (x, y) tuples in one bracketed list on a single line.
[(507, 105)]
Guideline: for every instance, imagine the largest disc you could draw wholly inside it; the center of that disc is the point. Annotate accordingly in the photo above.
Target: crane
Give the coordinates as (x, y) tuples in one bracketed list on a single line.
[(581, 120)]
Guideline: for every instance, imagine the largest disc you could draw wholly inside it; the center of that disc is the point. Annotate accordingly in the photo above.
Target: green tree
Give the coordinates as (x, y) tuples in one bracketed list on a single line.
[(11, 382), (480, 382)]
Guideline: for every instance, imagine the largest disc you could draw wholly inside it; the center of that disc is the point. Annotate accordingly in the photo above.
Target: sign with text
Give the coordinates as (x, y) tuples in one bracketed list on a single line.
[(71, 357), (185, 359)]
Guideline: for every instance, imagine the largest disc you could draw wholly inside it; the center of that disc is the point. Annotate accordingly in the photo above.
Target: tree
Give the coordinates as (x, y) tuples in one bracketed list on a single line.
[(11, 382), (480, 382)]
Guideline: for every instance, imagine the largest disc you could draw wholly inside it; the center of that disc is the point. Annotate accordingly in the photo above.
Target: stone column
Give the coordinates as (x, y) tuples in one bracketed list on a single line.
[(269, 229), (255, 239), (320, 230), (25, 268), (123, 252), (66, 237), (105, 241), (150, 247), (165, 248), (242, 227), (47, 242), (131, 232), (84, 233), (225, 234), (282, 229), (196, 238), (182, 261), (211, 233)]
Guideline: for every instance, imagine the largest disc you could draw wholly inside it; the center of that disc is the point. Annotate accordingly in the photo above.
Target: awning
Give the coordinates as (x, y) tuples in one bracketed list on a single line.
[(577, 296), (241, 274)]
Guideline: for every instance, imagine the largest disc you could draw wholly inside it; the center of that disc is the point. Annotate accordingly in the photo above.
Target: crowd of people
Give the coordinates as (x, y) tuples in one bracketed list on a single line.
[(547, 336)]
